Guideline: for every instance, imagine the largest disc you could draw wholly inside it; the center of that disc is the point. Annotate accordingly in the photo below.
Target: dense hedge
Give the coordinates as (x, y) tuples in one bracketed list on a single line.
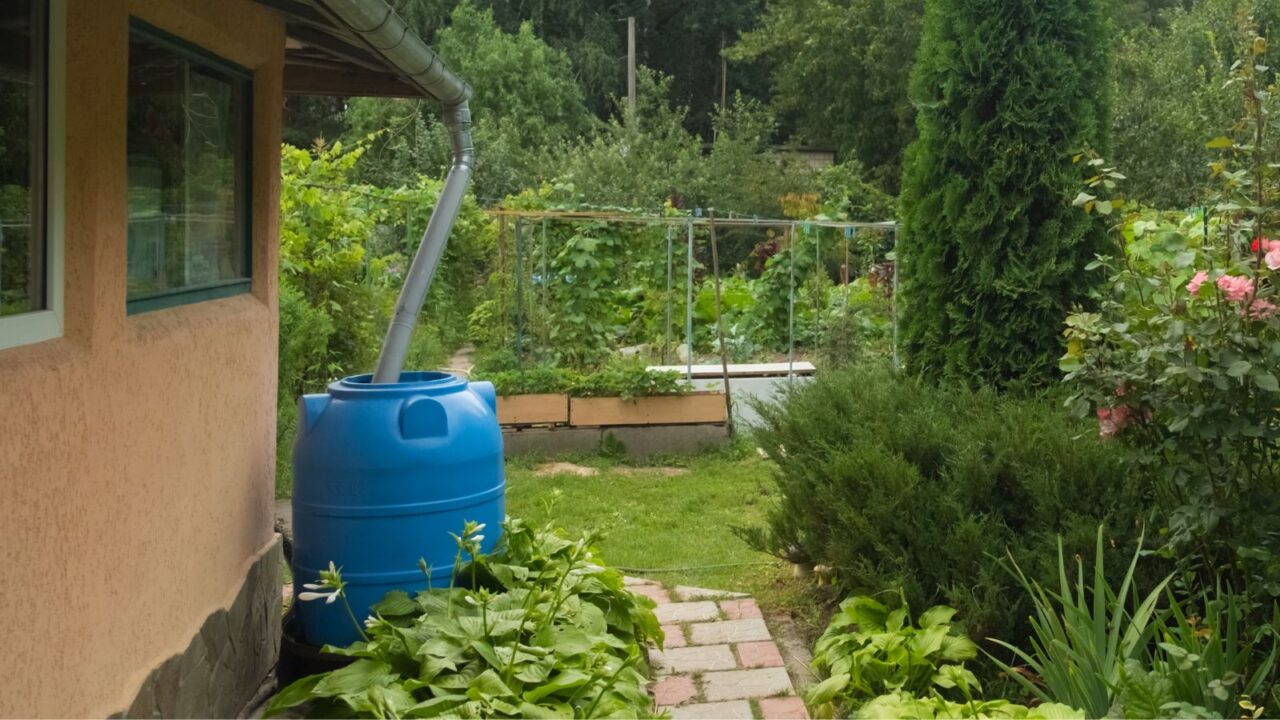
[(993, 253), (895, 483)]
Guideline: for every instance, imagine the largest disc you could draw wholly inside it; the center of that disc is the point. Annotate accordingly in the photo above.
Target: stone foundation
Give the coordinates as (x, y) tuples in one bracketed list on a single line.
[(226, 662)]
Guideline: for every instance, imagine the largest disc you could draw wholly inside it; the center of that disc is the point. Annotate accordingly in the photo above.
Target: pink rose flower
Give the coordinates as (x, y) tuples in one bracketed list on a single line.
[(1193, 287), (1259, 309), (1272, 259), (1236, 288)]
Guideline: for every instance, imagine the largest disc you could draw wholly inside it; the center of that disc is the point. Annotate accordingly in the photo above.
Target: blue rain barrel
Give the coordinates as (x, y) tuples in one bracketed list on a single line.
[(382, 473)]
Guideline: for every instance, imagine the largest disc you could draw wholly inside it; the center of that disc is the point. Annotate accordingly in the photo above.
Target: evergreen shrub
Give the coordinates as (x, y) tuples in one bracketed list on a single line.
[(898, 484), (1007, 93)]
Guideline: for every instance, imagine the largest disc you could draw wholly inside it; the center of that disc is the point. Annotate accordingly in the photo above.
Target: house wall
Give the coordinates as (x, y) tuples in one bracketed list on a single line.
[(137, 452)]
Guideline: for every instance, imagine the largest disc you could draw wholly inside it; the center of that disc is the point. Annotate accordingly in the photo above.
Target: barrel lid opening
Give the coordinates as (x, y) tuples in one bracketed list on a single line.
[(415, 381)]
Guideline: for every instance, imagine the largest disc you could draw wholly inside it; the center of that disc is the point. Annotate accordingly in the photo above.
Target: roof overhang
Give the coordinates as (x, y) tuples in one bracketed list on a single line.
[(324, 57)]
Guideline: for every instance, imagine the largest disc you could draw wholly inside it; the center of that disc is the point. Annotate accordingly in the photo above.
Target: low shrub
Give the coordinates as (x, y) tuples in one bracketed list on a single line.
[(897, 484), (538, 628)]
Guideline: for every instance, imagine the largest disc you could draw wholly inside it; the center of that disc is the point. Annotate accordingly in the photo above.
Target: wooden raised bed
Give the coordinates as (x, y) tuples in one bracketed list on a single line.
[(688, 409), (539, 409)]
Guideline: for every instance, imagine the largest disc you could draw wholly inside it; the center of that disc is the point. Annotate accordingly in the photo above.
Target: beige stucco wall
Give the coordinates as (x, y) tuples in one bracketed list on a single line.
[(136, 452)]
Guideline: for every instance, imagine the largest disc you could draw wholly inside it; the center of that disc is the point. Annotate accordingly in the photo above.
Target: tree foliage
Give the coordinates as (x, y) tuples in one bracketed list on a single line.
[(839, 72), (992, 252), (1173, 95)]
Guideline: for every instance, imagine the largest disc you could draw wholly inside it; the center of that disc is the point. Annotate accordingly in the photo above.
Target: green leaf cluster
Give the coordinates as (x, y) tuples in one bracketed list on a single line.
[(542, 630)]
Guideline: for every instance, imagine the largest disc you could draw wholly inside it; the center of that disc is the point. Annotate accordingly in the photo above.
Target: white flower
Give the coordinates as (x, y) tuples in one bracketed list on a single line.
[(477, 538), (328, 597), (478, 528)]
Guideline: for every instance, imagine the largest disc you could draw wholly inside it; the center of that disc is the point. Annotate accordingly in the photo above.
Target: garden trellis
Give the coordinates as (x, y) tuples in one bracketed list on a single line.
[(520, 226)]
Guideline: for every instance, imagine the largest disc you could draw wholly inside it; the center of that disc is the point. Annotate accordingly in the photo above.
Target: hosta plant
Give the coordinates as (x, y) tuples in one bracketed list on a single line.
[(869, 650), (538, 628)]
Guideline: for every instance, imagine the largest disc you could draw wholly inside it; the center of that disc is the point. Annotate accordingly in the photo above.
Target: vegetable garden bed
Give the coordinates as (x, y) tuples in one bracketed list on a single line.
[(695, 408)]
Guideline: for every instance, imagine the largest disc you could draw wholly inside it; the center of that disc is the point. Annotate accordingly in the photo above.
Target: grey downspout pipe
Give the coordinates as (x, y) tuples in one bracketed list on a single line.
[(384, 31)]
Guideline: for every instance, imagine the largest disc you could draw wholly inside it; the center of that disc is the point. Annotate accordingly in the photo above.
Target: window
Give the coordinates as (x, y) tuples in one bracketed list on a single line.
[(30, 137), (189, 124)]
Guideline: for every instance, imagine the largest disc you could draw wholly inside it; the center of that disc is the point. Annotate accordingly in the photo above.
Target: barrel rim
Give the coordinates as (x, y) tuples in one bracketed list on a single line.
[(412, 382)]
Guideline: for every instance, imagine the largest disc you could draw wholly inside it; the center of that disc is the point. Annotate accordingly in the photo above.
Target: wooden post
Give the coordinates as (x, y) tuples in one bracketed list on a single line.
[(724, 350), (631, 64)]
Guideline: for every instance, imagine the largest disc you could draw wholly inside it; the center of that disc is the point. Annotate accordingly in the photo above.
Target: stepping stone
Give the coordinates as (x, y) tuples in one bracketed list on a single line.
[(741, 684), (687, 612), (699, 658), (674, 690), (732, 710), (730, 631), (628, 581), (740, 609), (759, 654), (686, 593), (783, 708)]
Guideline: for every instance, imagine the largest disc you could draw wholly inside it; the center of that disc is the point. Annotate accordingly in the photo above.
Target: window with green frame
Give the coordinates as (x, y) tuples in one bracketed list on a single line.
[(189, 124)]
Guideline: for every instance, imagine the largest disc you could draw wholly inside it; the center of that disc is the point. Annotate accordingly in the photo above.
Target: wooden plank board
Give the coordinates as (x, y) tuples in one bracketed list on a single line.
[(538, 409), (692, 408), (740, 369)]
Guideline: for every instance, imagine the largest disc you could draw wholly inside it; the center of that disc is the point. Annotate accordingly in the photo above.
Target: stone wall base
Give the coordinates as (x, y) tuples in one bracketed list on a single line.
[(640, 441), (226, 662)]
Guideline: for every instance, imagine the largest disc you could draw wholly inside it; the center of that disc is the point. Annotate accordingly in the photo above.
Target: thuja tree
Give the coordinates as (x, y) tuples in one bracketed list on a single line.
[(1008, 93)]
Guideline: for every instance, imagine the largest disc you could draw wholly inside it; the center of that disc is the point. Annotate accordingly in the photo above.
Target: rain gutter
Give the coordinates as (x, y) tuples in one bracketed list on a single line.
[(378, 25)]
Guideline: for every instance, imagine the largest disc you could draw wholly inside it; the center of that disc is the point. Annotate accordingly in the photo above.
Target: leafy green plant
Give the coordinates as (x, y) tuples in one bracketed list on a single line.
[(870, 650), (1083, 634), (628, 380), (907, 705), (538, 628)]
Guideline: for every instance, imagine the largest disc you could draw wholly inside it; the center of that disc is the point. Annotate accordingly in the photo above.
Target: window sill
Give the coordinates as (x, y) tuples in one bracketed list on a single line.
[(187, 296)]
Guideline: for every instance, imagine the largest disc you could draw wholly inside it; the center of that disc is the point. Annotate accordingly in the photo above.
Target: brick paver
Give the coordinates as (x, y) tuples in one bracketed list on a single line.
[(682, 612), (740, 609), (698, 658), (730, 710), (657, 593), (724, 665), (740, 684), (674, 636), (783, 708), (674, 690), (730, 631), (758, 654)]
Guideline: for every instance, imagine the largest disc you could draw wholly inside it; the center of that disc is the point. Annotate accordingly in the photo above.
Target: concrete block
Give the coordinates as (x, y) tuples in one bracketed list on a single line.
[(650, 440), (550, 442)]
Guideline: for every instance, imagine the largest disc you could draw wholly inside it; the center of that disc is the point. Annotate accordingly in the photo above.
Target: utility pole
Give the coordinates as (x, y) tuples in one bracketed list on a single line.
[(724, 79), (631, 64)]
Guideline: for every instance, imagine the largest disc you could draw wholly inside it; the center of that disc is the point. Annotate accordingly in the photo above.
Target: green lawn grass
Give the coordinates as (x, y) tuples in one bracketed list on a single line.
[(680, 525)]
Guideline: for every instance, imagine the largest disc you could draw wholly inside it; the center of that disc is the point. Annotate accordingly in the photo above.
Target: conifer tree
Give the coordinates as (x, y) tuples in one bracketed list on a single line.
[(992, 253)]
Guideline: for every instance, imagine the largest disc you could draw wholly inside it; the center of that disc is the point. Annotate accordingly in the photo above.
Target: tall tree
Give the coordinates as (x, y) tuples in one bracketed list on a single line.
[(993, 254)]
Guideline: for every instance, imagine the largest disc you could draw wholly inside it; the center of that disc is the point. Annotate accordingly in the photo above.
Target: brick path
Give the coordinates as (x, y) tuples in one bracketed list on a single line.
[(720, 660)]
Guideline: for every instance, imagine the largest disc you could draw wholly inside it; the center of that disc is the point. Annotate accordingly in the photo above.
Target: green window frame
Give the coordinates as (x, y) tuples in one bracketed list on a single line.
[(229, 281)]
